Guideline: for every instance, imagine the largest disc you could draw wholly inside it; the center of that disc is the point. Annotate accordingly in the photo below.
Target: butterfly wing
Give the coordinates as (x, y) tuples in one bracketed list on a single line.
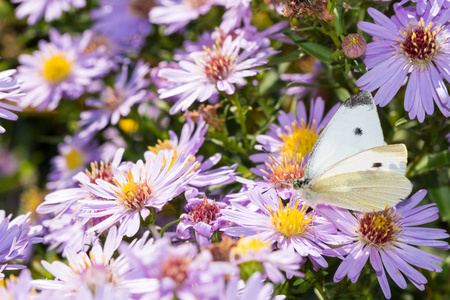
[(361, 191), (389, 158), (355, 127)]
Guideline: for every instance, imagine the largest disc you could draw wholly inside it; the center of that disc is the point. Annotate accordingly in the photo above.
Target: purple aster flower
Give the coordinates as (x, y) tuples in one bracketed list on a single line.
[(17, 288), (289, 144), (214, 69), (52, 9), (254, 288), (181, 270), (290, 227), (9, 90), (201, 217), (59, 69), (15, 236), (90, 271), (299, 92), (136, 194), (178, 13), (385, 238), (74, 154), (189, 143), (252, 251), (422, 5), (238, 11), (408, 44), (124, 22), (116, 101)]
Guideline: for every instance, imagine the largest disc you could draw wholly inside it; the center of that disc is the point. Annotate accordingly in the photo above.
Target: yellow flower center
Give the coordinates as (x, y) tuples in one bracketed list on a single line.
[(30, 200), (290, 221), (129, 126), (167, 144), (282, 173), (57, 68), (299, 139), (245, 245), (133, 195), (74, 159), (379, 228)]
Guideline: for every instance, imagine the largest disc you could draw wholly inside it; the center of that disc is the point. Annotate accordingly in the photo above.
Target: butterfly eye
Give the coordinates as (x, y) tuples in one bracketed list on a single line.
[(297, 184)]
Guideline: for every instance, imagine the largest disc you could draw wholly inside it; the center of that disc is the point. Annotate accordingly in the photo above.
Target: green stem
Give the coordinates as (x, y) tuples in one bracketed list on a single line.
[(431, 134), (330, 30), (241, 120), (320, 290), (168, 225)]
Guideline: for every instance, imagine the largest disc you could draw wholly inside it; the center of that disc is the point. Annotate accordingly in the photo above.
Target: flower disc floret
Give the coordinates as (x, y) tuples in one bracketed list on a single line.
[(56, 68), (204, 212), (250, 244), (218, 64), (299, 139), (420, 44), (289, 221), (379, 228), (133, 194)]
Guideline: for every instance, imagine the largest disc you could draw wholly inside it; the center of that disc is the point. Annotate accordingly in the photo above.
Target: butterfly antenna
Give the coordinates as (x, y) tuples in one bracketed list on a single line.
[(277, 163)]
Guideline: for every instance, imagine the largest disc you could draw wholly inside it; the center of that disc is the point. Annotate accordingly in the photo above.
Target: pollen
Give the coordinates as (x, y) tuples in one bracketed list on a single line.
[(112, 98), (282, 173), (176, 268), (250, 244), (74, 159), (379, 228), (133, 195), (420, 44), (290, 221), (30, 200), (56, 69), (218, 64), (129, 126), (167, 144), (103, 171), (205, 212), (299, 139)]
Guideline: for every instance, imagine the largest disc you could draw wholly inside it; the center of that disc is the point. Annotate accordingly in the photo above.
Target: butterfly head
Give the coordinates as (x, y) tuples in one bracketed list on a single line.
[(300, 183)]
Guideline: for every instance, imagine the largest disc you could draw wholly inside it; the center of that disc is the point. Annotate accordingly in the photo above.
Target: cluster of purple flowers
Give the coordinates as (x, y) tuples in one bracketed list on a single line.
[(105, 214)]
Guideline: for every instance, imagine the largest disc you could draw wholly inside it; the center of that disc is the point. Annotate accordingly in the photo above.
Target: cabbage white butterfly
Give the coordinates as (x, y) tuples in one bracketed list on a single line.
[(351, 166)]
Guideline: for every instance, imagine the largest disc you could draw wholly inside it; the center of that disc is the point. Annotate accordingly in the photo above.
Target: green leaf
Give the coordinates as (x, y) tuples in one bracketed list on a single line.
[(400, 122), (337, 19), (432, 162), (440, 196), (318, 51)]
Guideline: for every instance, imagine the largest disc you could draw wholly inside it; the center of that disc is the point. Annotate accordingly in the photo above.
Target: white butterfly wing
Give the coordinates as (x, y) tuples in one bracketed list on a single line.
[(355, 127), (361, 191), (389, 158)]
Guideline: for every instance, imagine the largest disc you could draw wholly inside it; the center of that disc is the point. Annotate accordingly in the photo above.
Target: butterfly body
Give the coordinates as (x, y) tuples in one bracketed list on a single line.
[(351, 166)]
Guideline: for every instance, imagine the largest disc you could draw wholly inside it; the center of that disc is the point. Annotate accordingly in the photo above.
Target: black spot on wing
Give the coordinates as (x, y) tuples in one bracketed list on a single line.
[(362, 98), (377, 165), (358, 131)]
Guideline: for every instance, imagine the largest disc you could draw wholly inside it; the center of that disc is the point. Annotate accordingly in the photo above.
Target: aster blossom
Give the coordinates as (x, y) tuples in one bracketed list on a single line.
[(176, 14), (89, 272), (203, 218), (408, 44), (137, 193), (34, 10), (252, 251), (289, 144), (288, 226), (17, 288), (15, 236), (191, 139), (181, 270), (9, 90), (116, 101), (387, 240), (59, 69), (215, 69), (123, 22)]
